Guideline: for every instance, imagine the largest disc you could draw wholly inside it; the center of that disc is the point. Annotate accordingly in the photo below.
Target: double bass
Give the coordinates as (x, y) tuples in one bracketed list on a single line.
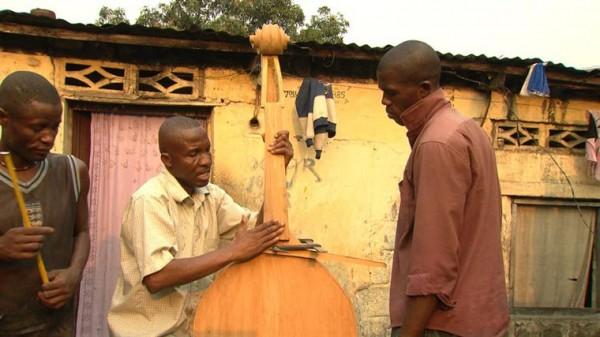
[(282, 293)]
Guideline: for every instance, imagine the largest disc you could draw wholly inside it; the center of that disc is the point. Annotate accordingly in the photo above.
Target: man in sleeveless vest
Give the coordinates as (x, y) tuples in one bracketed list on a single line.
[(55, 191), (177, 230), (447, 271)]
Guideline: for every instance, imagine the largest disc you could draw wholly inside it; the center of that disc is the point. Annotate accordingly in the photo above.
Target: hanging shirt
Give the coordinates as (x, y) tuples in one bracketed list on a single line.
[(592, 144), (315, 107), (536, 82)]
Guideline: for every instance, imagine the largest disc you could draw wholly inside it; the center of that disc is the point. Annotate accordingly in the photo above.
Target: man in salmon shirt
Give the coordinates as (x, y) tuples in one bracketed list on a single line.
[(447, 273)]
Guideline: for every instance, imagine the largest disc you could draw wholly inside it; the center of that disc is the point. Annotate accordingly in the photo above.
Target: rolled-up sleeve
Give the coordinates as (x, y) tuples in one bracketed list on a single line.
[(150, 233), (441, 183)]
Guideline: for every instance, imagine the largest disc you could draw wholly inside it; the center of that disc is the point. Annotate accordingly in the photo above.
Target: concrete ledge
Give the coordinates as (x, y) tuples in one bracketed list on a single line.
[(555, 322)]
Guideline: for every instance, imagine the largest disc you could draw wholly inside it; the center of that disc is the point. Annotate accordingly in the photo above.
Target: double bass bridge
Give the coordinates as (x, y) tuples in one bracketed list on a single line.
[(305, 244)]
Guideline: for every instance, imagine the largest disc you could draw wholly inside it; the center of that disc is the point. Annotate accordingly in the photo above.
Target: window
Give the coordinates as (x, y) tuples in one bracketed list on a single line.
[(554, 261), (121, 80), (528, 135)]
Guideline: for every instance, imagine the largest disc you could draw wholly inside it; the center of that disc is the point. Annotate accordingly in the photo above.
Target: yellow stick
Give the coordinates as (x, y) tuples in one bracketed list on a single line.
[(12, 172)]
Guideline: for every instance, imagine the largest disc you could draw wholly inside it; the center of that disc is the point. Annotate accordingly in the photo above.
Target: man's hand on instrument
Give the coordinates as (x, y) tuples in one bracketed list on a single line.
[(250, 242), (20, 243), (63, 284), (282, 146)]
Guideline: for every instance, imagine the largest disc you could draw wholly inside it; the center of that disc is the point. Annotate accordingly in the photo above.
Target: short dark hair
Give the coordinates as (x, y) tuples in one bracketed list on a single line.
[(170, 127), (416, 60), (20, 88)]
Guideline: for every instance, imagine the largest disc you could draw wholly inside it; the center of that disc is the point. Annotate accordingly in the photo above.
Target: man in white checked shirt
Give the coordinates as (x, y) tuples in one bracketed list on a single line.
[(178, 229)]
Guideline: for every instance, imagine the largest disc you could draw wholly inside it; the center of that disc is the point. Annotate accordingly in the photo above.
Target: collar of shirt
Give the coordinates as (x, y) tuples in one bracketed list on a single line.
[(178, 193), (416, 116)]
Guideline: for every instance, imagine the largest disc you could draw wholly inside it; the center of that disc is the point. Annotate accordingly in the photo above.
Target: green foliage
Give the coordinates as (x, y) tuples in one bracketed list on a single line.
[(238, 17), (150, 17), (179, 14), (109, 16), (325, 27), (285, 13)]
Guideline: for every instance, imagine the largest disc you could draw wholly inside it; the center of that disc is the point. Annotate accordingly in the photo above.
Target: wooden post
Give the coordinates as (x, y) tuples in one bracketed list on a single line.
[(270, 41)]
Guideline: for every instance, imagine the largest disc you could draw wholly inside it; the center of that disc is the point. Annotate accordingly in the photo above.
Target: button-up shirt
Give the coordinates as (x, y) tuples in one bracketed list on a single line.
[(163, 222), (448, 234)]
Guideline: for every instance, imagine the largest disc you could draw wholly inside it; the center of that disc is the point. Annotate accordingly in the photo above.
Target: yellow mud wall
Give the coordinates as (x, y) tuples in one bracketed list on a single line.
[(41, 64), (538, 173)]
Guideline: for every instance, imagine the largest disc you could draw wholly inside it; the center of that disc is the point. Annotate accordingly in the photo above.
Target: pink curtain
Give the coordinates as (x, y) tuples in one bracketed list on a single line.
[(124, 154)]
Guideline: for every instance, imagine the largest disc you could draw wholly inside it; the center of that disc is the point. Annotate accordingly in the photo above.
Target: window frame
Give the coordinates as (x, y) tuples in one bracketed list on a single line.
[(594, 262)]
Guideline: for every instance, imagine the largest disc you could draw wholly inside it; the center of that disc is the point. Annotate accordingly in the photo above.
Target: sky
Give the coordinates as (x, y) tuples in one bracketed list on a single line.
[(564, 31)]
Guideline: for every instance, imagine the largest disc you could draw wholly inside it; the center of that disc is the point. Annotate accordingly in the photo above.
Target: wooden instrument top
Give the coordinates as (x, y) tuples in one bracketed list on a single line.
[(274, 295)]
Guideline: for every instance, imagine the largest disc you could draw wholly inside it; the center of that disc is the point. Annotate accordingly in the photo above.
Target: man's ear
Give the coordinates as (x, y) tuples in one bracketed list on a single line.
[(3, 117), (425, 88), (166, 159)]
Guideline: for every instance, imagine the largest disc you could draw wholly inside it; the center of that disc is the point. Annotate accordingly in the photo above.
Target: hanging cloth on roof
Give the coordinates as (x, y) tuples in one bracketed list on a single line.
[(592, 144), (536, 82), (316, 111)]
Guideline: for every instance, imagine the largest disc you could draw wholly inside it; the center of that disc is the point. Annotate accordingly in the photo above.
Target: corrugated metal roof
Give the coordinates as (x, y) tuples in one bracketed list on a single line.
[(136, 30), (517, 61), (504, 61), (348, 50)]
